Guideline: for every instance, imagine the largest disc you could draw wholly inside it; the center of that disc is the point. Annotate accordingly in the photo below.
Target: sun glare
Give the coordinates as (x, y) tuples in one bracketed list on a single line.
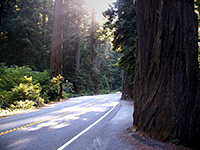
[(99, 6)]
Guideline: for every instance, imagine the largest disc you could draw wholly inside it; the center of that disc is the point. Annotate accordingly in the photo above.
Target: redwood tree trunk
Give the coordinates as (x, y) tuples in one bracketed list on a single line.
[(77, 46), (166, 90), (56, 64), (94, 63)]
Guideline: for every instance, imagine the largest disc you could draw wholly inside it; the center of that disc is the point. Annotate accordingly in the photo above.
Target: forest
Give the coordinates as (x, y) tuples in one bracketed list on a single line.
[(149, 50), (88, 63)]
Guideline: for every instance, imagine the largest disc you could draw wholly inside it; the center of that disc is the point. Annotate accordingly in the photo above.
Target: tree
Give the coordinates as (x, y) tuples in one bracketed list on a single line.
[(56, 65), (109, 73), (122, 22), (57, 45), (78, 48), (24, 41), (93, 53), (73, 17), (166, 82), (75, 44)]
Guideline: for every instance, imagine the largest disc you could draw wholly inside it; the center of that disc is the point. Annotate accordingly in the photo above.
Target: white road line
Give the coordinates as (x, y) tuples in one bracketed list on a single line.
[(88, 128)]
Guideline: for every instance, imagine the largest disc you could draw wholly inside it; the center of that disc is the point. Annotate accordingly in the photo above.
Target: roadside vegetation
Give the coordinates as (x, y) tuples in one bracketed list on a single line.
[(22, 88)]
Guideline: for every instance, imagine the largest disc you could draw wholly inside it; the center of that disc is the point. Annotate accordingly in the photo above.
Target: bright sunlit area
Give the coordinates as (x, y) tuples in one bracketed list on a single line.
[(99, 6)]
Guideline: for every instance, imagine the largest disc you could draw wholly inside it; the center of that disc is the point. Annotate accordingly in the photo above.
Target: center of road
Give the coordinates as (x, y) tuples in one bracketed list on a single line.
[(44, 120)]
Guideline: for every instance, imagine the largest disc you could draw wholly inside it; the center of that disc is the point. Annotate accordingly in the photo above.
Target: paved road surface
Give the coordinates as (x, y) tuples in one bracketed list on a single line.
[(79, 123)]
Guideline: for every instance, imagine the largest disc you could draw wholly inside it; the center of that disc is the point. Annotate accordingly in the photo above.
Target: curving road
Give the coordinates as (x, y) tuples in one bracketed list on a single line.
[(59, 126)]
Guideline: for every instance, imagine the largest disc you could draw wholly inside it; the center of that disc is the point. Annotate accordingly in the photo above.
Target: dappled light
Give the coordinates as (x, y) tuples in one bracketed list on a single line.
[(21, 141), (74, 113)]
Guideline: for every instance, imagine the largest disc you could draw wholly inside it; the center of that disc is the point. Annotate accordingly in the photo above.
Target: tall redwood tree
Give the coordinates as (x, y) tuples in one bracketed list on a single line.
[(166, 84), (93, 53), (56, 64)]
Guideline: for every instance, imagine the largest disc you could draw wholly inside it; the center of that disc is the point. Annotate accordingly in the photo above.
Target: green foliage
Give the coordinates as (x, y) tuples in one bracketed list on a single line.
[(22, 92), (27, 91), (109, 74), (5, 98), (25, 39), (25, 32), (22, 105), (121, 24), (14, 75), (81, 80), (15, 85), (54, 87), (11, 77), (18, 85), (104, 91)]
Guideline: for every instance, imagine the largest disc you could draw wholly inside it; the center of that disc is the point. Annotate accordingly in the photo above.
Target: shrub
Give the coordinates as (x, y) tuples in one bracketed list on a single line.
[(12, 76), (54, 87), (27, 92), (27, 104), (104, 91), (20, 85), (5, 99)]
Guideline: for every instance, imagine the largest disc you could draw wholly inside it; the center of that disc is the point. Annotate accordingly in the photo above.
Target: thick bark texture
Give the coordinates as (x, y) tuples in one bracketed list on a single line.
[(56, 65), (166, 86)]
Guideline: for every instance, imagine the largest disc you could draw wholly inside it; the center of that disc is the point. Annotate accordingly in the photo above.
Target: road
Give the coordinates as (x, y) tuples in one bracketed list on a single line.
[(63, 125)]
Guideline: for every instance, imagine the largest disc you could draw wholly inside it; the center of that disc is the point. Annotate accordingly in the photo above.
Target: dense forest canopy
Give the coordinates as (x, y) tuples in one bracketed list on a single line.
[(25, 28)]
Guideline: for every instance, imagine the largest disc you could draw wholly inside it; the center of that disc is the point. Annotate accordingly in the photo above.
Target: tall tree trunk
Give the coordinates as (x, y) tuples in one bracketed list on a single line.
[(56, 64), (57, 36), (166, 85), (78, 47), (43, 23), (66, 44), (94, 70)]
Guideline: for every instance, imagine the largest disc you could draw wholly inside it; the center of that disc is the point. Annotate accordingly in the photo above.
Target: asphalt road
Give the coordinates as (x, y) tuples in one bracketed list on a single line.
[(73, 124)]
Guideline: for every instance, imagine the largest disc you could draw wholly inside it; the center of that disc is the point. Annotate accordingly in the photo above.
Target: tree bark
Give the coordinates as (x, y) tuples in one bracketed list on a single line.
[(94, 64), (78, 50), (127, 87), (56, 65), (66, 43), (166, 84)]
